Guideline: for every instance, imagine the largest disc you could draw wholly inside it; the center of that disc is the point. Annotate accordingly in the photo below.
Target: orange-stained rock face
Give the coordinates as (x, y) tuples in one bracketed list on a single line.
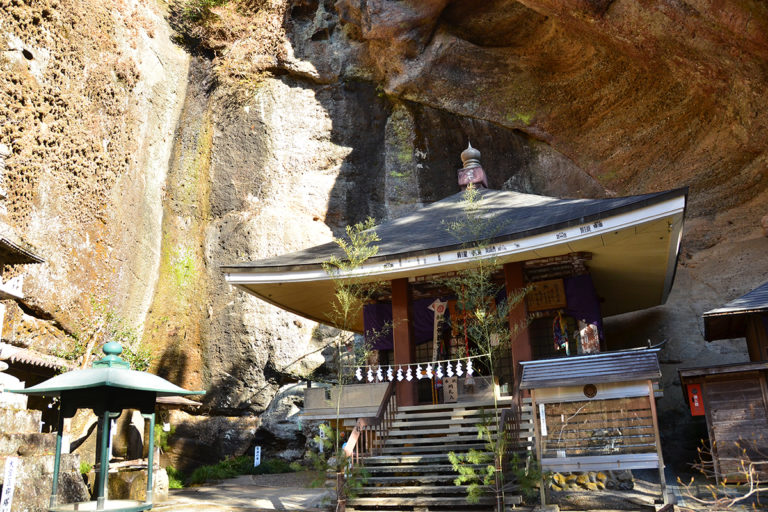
[(641, 97)]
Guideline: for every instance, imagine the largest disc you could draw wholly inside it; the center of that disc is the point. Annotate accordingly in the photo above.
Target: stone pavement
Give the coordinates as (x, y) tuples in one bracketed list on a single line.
[(247, 493)]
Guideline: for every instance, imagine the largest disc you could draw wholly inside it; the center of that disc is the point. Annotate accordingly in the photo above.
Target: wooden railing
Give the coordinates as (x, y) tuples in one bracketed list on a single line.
[(369, 434)]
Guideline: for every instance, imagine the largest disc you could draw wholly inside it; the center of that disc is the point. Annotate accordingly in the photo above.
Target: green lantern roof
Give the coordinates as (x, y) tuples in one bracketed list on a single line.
[(110, 371)]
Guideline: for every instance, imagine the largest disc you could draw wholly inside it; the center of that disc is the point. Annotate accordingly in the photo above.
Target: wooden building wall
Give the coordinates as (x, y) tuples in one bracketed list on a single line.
[(737, 420), (757, 338)]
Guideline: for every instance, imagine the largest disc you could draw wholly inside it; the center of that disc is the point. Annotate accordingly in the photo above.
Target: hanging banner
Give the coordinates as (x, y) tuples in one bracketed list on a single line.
[(12, 465)]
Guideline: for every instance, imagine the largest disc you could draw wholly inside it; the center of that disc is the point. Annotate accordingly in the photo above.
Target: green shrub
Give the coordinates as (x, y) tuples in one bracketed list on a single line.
[(162, 437), (235, 466), (175, 478), (85, 467)]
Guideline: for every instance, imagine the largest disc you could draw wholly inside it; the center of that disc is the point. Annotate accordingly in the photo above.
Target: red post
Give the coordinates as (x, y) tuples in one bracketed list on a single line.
[(521, 344), (405, 350)]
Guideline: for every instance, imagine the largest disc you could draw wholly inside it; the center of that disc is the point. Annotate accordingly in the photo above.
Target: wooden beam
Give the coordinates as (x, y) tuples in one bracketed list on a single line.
[(405, 349)]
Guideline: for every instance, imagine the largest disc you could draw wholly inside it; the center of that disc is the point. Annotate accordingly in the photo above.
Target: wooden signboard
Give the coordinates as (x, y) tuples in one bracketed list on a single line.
[(546, 295), (450, 389)]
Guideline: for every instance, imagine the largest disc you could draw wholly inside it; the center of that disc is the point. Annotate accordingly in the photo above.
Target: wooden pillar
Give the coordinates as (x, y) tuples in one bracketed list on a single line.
[(657, 436), (518, 317), (405, 349)]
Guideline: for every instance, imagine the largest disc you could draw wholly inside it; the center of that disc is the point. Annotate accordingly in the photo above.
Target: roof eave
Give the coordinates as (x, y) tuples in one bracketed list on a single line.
[(510, 238)]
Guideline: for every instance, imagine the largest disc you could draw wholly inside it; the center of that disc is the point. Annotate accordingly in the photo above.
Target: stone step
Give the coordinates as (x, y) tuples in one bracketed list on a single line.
[(437, 422), (443, 448), (435, 507), (408, 490), (423, 508), (436, 431), (414, 468), (405, 459), (19, 420), (418, 501), (501, 402), (424, 479), (27, 444), (419, 440)]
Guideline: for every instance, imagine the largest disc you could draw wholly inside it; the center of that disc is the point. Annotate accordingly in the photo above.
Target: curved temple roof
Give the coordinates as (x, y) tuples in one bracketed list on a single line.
[(634, 242)]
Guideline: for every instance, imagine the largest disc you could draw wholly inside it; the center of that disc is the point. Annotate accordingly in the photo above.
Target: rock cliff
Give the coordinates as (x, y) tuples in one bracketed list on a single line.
[(137, 169)]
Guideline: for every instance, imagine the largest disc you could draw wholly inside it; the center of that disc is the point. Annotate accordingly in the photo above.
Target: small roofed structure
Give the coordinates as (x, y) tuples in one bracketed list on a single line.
[(732, 398), (596, 412), (13, 253), (107, 388), (745, 317)]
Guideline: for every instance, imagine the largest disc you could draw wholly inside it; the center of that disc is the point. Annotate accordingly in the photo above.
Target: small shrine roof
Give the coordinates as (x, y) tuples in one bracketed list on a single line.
[(720, 369), (30, 357), (110, 371), (620, 366), (729, 321)]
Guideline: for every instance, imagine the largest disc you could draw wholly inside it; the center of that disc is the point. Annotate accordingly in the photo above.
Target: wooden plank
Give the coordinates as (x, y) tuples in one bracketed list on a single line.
[(639, 449), (599, 406), (617, 443), (624, 423), (737, 415), (607, 462)]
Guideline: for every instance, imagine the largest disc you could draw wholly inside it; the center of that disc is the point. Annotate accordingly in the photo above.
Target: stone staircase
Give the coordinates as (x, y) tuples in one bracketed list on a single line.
[(413, 472)]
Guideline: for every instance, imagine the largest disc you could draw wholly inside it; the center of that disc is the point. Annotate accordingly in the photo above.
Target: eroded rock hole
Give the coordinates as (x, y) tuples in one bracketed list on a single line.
[(304, 10), (322, 34)]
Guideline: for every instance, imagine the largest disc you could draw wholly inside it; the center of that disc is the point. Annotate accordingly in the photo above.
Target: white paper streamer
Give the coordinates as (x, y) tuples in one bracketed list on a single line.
[(449, 371), (418, 372), (370, 375), (389, 374), (409, 375), (400, 374), (359, 373)]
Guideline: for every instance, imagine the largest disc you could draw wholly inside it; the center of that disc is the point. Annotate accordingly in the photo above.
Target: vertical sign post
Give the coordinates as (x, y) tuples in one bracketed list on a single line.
[(256, 456), (11, 468), (451, 389)]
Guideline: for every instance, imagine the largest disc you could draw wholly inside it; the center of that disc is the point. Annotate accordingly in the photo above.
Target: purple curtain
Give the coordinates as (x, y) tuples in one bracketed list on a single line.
[(377, 322), (583, 303)]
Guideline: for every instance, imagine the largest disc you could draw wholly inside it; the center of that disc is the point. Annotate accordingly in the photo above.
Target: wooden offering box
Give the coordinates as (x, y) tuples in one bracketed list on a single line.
[(596, 412)]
